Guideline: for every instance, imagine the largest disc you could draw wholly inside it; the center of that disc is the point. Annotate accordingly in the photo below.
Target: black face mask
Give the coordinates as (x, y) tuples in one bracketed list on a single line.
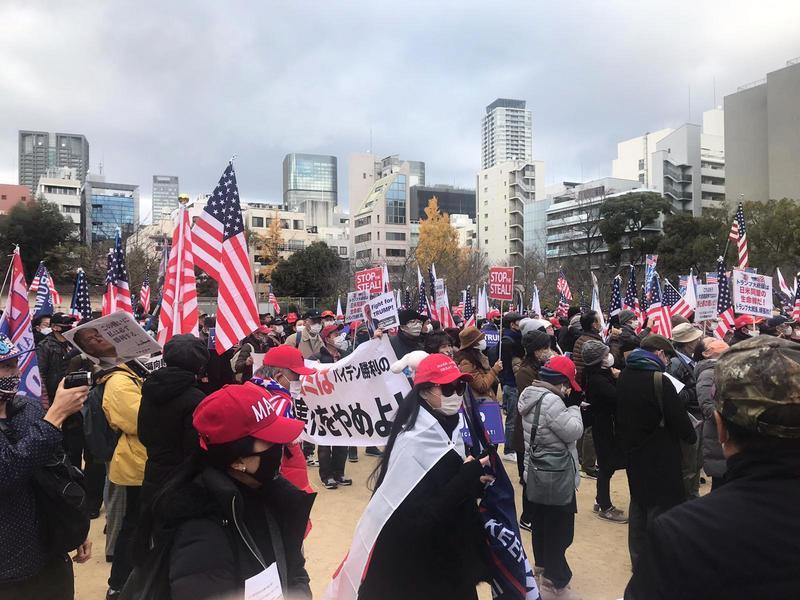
[(270, 465)]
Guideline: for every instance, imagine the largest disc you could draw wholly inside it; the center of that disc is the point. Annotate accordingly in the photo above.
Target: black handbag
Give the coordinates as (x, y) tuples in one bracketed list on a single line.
[(551, 473)]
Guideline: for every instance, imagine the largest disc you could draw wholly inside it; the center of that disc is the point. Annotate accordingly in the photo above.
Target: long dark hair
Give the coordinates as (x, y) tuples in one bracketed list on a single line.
[(404, 419)]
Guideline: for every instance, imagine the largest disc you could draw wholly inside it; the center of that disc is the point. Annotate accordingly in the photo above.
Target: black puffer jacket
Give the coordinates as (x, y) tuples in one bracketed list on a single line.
[(688, 395), (221, 535), (53, 357)]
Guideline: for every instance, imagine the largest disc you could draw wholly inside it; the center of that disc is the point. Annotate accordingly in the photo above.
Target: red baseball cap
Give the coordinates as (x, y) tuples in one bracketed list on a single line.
[(287, 357), (439, 369), (745, 321), (239, 411), (565, 366), (328, 313), (329, 329), (493, 314), (263, 329)]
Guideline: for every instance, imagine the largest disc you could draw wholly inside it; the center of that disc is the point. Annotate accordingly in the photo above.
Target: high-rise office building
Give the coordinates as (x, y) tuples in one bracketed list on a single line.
[(762, 137), (40, 150), (634, 157), (106, 206), (507, 133), (165, 196), (60, 186), (310, 186)]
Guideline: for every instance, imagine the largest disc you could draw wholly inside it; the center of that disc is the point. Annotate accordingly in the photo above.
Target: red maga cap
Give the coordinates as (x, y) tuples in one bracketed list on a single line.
[(565, 366), (287, 357), (239, 411), (439, 369), (327, 313)]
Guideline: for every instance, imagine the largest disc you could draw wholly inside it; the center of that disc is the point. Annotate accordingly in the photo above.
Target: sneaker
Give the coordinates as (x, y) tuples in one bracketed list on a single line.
[(590, 473), (342, 480), (330, 483), (525, 524), (596, 508), (112, 594), (373, 451), (352, 455), (550, 592), (311, 461), (510, 457), (614, 515)]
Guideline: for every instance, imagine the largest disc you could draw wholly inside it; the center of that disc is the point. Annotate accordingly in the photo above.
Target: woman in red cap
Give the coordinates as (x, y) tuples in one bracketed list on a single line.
[(227, 516), (551, 417), (421, 535)]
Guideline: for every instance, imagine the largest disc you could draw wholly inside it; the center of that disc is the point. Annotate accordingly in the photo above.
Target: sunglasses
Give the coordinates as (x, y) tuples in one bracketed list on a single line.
[(456, 387)]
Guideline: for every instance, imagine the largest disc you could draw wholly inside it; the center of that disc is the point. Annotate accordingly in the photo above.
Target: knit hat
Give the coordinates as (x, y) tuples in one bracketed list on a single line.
[(594, 352), (469, 337), (535, 340), (626, 316)]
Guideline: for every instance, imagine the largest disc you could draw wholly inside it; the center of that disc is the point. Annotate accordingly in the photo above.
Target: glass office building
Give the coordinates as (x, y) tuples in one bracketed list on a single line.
[(310, 186), (107, 206)]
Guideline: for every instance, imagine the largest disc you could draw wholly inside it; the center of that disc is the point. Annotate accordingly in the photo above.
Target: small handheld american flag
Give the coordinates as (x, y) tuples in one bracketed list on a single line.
[(144, 295), (724, 302), (616, 297)]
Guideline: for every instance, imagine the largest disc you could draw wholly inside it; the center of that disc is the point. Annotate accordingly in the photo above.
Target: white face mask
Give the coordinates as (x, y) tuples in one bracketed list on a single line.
[(299, 328), (315, 328), (608, 361), (450, 405), (340, 342), (327, 322), (278, 328), (295, 388), (481, 346), (413, 329), (428, 328), (45, 330)]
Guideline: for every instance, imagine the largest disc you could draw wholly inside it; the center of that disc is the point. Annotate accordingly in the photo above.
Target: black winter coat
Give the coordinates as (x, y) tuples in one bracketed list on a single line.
[(53, 357), (688, 395), (403, 343), (169, 397), (601, 393), (209, 520), (653, 453), (432, 547), (741, 541)]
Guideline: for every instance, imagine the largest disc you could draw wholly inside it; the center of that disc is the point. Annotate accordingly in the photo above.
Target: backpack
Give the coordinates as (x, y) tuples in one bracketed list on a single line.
[(60, 502), (100, 439)]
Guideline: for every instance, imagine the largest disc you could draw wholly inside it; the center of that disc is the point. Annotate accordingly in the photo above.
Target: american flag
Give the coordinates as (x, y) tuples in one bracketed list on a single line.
[(469, 310), (117, 277), (562, 286), (422, 304), (536, 306), (273, 300), (796, 308), (460, 308), (631, 299), (616, 297), (16, 324), (724, 302), (676, 302), (41, 274), (432, 279), (738, 234), (108, 297), (649, 272), (584, 303), (44, 297), (407, 298), (144, 295), (81, 305), (179, 297), (712, 279), (644, 303), (658, 311), (563, 306), (221, 251)]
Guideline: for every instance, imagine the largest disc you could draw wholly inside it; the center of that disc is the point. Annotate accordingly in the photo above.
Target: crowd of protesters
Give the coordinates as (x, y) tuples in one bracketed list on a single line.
[(203, 482)]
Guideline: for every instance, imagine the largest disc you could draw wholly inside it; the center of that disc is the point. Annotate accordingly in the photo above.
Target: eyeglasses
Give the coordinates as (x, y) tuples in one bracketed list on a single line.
[(457, 387)]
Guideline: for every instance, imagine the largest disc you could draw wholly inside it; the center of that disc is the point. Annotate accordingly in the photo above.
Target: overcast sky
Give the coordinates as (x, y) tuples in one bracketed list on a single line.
[(178, 87)]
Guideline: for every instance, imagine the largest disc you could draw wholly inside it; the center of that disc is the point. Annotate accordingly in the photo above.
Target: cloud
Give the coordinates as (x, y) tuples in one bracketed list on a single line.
[(177, 88)]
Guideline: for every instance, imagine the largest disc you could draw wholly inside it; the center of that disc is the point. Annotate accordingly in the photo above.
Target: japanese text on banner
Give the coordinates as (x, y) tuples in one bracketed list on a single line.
[(752, 294)]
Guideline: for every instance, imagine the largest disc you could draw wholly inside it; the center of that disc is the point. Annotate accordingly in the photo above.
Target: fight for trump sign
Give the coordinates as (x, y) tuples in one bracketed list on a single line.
[(752, 294), (501, 283), (370, 280), (352, 402)]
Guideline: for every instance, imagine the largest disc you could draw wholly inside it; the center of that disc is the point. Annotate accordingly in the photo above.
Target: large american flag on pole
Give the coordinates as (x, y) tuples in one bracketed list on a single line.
[(221, 251), (422, 303), (118, 277), (657, 310), (724, 302), (179, 298), (677, 303), (738, 234), (81, 305), (16, 325), (616, 296), (469, 309), (562, 286)]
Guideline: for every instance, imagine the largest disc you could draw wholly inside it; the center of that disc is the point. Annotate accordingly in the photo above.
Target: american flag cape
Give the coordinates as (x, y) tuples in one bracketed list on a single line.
[(16, 325), (41, 272), (179, 298), (659, 311), (724, 302), (416, 451), (512, 575), (738, 234), (221, 251), (81, 305), (144, 295)]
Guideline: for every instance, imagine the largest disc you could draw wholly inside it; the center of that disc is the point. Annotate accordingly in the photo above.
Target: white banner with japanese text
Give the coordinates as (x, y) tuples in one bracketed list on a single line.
[(352, 402)]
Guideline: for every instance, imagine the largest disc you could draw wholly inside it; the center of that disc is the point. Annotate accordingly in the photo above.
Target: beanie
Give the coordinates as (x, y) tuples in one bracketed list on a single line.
[(594, 352)]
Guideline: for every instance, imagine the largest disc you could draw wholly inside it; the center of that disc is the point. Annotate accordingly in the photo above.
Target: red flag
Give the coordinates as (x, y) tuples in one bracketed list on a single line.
[(179, 302), (221, 251)]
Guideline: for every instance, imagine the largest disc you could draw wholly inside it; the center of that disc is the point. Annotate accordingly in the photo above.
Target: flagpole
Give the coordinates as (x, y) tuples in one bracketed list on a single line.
[(10, 264), (177, 323)]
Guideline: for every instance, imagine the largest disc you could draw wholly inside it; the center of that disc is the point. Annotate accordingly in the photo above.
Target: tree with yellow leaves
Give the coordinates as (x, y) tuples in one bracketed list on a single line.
[(438, 241), (268, 247)]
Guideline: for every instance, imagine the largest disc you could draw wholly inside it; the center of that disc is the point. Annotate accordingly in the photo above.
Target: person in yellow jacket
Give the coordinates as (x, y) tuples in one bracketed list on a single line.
[(121, 399)]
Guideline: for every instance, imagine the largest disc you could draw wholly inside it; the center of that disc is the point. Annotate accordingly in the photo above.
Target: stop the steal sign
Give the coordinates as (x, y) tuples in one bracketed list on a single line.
[(501, 283)]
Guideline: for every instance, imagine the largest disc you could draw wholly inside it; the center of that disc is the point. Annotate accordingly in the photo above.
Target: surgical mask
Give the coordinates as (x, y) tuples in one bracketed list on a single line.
[(8, 387), (481, 346), (299, 328), (315, 328), (450, 405), (608, 361), (427, 327), (327, 322), (278, 329), (269, 466), (340, 342), (295, 388), (45, 330), (413, 329)]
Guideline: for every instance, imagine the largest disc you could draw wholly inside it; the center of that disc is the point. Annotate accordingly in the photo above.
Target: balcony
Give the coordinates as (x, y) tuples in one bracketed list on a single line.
[(516, 247), (516, 206), (676, 174), (710, 172), (679, 195), (516, 220), (712, 188), (516, 233)]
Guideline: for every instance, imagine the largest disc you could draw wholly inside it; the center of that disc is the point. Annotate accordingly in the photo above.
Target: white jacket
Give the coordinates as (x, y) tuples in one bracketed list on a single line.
[(559, 426)]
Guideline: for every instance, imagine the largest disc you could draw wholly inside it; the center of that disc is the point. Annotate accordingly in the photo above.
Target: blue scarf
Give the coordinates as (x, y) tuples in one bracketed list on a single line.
[(642, 360)]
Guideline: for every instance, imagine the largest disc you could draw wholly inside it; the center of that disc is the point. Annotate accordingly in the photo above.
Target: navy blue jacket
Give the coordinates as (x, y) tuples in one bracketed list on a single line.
[(27, 442)]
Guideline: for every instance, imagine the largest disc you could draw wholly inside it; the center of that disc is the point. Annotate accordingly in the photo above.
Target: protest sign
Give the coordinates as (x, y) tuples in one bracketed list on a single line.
[(752, 294), (706, 302), (212, 338), (355, 305), (501, 283), (155, 363), (352, 402), (492, 422), (491, 334), (440, 293), (370, 280), (381, 312), (113, 339)]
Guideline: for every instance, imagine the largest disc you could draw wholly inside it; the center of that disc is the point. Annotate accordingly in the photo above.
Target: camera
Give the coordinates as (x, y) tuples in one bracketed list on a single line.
[(78, 379)]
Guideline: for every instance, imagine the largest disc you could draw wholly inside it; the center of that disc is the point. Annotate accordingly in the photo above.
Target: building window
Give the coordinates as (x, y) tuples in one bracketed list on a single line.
[(298, 224), (342, 250), (396, 201), (486, 228), (361, 254), (641, 177), (364, 237), (364, 221), (257, 221), (396, 252), (641, 164), (395, 236)]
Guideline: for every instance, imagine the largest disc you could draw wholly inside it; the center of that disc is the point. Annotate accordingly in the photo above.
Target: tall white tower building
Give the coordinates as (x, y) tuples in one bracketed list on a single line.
[(507, 133)]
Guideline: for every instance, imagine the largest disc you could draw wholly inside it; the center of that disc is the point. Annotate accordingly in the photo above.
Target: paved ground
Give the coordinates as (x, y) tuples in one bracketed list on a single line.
[(598, 557)]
